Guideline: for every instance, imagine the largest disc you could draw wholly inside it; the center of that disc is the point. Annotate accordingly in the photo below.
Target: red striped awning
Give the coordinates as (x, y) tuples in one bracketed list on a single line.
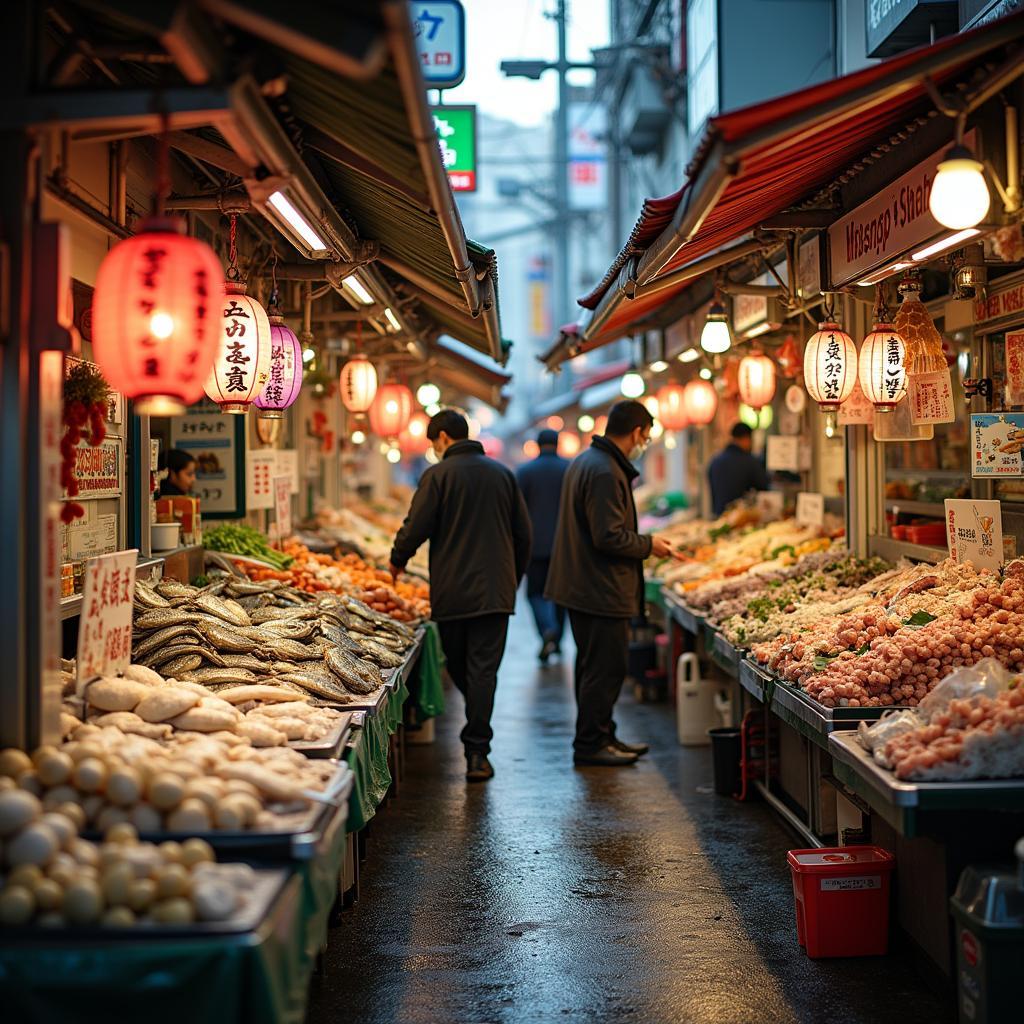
[(757, 162)]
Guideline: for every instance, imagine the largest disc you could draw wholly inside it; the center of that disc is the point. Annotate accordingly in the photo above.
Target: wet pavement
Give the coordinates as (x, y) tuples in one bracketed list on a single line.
[(585, 895)]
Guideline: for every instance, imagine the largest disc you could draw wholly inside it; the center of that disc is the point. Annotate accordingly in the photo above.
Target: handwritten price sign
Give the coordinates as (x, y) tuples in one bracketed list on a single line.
[(105, 629)]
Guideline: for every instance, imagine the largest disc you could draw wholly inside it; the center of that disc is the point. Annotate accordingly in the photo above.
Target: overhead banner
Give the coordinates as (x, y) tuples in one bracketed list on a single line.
[(456, 135)]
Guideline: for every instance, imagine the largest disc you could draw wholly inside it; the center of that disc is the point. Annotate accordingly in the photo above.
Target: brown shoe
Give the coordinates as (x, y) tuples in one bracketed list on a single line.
[(478, 768), (607, 757)]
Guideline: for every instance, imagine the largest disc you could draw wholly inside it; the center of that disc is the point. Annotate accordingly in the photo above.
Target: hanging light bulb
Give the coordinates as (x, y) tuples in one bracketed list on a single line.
[(358, 437), (672, 407), (393, 456), (585, 423), (882, 367), (358, 384), (756, 380), (715, 338), (633, 385), (701, 402), (830, 369), (704, 373), (959, 197), (428, 394)]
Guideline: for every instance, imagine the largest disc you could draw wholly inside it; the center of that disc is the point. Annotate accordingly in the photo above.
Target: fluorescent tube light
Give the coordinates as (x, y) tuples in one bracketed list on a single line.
[(280, 202), (358, 289), (688, 355), (392, 319), (945, 243)]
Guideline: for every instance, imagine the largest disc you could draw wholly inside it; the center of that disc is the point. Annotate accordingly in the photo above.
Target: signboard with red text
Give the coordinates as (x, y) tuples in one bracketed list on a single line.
[(105, 627)]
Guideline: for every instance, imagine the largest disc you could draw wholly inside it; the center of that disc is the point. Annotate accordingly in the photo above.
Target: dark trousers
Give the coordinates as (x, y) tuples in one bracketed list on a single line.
[(549, 617), (474, 648), (602, 657)]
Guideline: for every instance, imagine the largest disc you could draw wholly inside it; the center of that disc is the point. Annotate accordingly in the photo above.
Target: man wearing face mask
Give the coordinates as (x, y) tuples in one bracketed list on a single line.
[(597, 573), (471, 510)]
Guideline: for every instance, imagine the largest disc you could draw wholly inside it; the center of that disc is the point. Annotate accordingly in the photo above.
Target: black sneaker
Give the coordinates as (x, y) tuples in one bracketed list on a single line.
[(478, 768), (606, 757), (630, 748)]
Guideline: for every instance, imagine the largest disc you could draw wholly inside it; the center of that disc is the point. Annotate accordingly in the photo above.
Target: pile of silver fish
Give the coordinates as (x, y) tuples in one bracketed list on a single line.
[(236, 632)]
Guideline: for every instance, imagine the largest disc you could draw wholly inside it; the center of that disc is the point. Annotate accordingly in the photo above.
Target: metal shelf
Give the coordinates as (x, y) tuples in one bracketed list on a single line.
[(916, 508), (886, 547)]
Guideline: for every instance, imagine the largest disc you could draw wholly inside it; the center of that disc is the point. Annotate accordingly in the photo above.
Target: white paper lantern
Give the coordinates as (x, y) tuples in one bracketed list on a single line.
[(830, 366), (358, 384), (242, 366), (882, 367)]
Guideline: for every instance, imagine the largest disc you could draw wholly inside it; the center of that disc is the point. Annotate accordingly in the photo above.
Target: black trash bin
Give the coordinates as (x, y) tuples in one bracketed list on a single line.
[(726, 751)]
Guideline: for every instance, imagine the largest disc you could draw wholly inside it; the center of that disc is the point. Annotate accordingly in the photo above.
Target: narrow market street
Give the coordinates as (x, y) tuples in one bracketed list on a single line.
[(559, 894)]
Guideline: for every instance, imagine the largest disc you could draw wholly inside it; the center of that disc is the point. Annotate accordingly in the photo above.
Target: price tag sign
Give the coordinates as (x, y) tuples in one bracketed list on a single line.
[(105, 627), (974, 532), (783, 453), (931, 398), (769, 504), (283, 506), (810, 509)]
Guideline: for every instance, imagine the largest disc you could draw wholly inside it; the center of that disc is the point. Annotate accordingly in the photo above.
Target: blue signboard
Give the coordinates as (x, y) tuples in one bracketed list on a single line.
[(440, 30)]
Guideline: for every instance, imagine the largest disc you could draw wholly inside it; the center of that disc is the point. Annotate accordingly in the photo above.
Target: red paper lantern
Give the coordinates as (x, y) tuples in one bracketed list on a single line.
[(701, 402), (358, 384), (757, 380), (672, 407), (414, 440), (391, 410), (285, 379), (156, 317), (242, 364)]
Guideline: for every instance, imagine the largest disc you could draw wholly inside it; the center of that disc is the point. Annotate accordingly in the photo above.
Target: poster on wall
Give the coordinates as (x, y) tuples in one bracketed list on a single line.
[(997, 441), (974, 532), (99, 470), (217, 441)]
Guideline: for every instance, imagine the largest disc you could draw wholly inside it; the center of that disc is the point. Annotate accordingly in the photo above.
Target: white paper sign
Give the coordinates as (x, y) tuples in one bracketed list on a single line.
[(783, 453), (283, 506), (260, 470), (974, 532), (769, 504), (810, 509), (105, 627), (931, 397), (288, 465)]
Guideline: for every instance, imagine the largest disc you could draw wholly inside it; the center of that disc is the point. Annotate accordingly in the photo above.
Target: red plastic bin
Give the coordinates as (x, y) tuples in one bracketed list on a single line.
[(842, 899)]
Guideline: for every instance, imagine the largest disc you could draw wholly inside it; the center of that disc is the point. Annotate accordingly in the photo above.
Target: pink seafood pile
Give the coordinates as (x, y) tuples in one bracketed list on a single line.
[(978, 738), (872, 658)]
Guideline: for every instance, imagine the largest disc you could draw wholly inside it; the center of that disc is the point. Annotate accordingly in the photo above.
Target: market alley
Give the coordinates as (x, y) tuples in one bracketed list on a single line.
[(561, 894)]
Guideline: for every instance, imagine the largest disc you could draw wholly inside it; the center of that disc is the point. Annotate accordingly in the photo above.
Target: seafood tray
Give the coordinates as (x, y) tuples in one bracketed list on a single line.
[(327, 746), (300, 836), (371, 703), (266, 890)]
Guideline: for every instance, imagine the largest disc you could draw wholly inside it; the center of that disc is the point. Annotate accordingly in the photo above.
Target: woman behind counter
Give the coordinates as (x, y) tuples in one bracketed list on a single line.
[(181, 473)]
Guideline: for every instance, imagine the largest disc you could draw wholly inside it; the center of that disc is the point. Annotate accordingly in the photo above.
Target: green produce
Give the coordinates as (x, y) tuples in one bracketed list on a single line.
[(236, 539)]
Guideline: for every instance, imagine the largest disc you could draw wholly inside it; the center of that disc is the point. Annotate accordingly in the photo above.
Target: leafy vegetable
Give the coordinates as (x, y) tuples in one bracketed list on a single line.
[(237, 539), (784, 547), (919, 618), (719, 531)]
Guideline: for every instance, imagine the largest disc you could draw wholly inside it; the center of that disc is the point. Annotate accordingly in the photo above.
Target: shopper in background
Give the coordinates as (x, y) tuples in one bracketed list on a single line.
[(541, 483), (469, 507), (597, 573), (181, 473), (735, 470)]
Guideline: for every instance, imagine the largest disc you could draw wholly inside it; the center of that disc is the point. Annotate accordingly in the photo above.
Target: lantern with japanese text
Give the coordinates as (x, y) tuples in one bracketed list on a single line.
[(242, 366), (672, 407), (391, 410), (285, 379), (756, 380), (156, 317), (358, 383), (830, 369), (700, 401), (882, 367)]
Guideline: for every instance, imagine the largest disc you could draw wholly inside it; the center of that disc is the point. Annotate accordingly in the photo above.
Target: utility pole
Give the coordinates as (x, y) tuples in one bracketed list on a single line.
[(533, 69)]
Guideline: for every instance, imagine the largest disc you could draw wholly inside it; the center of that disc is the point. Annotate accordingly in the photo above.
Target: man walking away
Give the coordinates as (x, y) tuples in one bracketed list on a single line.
[(597, 573), (735, 470), (541, 484), (469, 507)]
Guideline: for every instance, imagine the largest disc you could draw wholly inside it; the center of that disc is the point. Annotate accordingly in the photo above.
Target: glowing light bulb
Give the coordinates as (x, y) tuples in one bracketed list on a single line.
[(585, 423), (394, 455), (670, 442), (308, 355), (715, 338), (959, 197), (705, 374), (632, 385), (161, 325), (358, 437), (428, 394), (432, 410)]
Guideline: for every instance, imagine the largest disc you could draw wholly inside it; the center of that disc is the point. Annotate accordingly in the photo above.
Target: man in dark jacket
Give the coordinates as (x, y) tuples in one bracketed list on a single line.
[(597, 573), (735, 470), (541, 484), (470, 509)]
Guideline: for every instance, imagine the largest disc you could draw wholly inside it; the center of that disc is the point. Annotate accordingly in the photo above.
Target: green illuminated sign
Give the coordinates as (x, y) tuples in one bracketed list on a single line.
[(456, 134)]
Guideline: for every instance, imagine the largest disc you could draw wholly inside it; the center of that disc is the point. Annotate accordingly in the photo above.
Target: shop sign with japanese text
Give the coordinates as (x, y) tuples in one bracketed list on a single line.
[(439, 28), (888, 226), (105, 626), (974, 532), (1000, 304), (456, 135), (99, 470), (931, 398), (1015, 368), (997, 440)]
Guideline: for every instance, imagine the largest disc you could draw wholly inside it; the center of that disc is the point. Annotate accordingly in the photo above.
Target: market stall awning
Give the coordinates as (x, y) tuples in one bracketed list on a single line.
[(753, 164)]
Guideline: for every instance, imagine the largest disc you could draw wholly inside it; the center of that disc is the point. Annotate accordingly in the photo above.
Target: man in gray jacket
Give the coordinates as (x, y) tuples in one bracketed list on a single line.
[(597, 573), (469, 507)]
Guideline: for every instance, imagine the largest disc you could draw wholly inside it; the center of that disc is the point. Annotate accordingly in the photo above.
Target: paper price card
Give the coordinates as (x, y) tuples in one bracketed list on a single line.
[(1015, 368), (810, 509), (974, 532), (931, 398), (283, 505), (769, 504), (997, 440), (105, 627), (783, 453)]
